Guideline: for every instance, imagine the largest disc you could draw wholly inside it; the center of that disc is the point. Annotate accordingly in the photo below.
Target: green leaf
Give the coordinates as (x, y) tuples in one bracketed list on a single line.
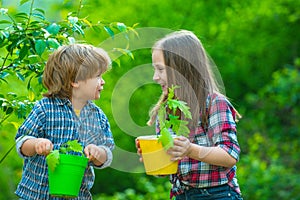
[(73, 20), (171, 92), (23, 52), (39, 10), (53, 28), (109, 31), (53, 159), (5, 22), (8, 110), (31, 95), (121, 26), (23, 1), (75, 146), (162, 116), (53, 43), (78, 28), (3, 11), (166, 138), (22, 15), (33, 59), (40, 46), (63, 150), (38, 15), (125, 52), (20, 76)]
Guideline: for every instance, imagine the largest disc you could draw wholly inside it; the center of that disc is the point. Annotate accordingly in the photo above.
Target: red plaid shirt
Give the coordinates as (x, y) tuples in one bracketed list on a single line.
[(221, 132)]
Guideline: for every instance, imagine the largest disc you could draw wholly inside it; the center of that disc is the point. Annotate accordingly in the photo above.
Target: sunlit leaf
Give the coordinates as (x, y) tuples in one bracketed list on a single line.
[(73, 20), (109, 31), (5, 22), (31, 95), (87, 22), (20, 76), (53, 43), (3, 11), (38, 15), (125, 52), (78, 28), (22, 15), (39, 10), (53, 159), (121, 26), (166, 138), (23, 1), (40, 46), (75, 146)]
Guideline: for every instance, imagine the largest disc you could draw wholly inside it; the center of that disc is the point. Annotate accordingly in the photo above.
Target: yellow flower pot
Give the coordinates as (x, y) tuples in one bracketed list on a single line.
[(155, 158)]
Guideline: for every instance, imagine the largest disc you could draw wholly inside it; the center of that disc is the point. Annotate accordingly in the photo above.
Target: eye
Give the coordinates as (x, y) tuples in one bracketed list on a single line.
[(159, 67), (99, 76)]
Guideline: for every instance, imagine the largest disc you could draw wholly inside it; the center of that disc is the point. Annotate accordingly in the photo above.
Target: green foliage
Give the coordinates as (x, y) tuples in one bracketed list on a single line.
[(179, 126), (249, 41), (71, 146), (145, 188), (27, 40), (53, 159), (272, 128)]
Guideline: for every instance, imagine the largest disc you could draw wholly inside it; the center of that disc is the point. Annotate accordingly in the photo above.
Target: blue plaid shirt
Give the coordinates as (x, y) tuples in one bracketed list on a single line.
[(55, 119)]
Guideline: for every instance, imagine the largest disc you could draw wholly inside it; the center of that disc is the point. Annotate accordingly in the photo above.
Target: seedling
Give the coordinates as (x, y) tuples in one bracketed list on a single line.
[(71, 146), (172, 121)]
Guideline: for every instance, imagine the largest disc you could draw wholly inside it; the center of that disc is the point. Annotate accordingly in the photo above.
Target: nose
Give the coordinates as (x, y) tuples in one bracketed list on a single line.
[(102, 82), (155, 76)]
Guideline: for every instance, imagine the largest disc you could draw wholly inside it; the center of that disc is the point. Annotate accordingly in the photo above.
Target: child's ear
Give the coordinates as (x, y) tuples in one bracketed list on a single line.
[(75, 84)]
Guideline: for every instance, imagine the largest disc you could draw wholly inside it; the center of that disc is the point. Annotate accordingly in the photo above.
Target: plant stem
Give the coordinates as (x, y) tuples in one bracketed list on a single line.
[(30, 14), (79, 8), (11, 148)]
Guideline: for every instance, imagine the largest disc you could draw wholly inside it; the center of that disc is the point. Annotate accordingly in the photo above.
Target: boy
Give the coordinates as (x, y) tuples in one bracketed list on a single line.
[(73, 77)]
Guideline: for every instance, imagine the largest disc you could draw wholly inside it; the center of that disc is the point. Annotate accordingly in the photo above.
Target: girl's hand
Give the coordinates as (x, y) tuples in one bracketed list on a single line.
[(139, 151), (43, 146), (95, 154), (181, 148)]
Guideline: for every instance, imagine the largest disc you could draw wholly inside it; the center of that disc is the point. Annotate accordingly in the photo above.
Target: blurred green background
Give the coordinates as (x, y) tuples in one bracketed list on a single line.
[(255, 45)]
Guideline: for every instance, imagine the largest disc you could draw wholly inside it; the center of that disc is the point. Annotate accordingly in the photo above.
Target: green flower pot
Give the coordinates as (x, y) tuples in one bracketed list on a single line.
[(66, 179)]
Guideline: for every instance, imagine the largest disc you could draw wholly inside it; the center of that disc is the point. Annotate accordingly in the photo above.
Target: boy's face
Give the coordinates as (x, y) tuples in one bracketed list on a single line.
[(91, 88)]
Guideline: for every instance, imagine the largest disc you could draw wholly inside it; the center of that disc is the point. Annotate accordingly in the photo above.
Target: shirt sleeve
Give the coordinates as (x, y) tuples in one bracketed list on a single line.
[(222, 125), (107, 141), (30, 128), (19, 143)]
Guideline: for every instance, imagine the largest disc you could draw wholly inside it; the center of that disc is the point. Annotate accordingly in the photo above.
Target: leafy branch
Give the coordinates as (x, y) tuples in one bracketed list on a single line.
[(170, 120), (71, 146)]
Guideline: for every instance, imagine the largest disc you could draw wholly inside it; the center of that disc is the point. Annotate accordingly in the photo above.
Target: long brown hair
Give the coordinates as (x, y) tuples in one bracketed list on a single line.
[(71, 63), (188, 66)]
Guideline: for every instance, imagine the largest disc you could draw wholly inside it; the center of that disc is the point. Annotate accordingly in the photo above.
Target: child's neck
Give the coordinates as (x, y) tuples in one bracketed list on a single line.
[(78, 104)]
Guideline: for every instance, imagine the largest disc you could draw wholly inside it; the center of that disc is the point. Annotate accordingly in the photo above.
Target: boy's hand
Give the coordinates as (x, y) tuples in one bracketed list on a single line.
[(43, 146), (139, 151), (95, 154)]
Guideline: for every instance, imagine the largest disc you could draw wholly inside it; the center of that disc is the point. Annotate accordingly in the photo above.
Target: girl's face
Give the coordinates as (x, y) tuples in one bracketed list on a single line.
[(160, 71)]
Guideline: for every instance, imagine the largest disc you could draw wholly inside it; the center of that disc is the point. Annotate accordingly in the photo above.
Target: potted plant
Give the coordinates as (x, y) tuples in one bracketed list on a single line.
[(66, 168), (153, 147)]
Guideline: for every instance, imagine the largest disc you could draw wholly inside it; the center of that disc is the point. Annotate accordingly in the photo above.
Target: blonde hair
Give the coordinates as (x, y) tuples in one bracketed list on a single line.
[(71, 63), (189, 67)]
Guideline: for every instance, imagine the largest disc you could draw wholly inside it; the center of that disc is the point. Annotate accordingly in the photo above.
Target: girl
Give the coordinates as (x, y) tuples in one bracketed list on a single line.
[(207, 158)]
